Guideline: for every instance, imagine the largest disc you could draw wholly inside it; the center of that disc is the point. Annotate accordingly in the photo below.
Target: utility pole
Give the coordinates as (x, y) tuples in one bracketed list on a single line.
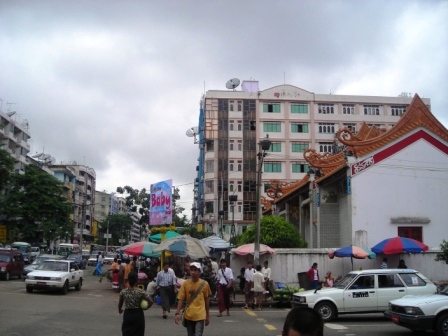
[(107, 237), (83, 220)]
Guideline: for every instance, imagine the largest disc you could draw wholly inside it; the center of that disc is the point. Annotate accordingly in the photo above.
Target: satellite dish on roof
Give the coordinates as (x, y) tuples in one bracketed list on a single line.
[(192, 132), (232, 83)]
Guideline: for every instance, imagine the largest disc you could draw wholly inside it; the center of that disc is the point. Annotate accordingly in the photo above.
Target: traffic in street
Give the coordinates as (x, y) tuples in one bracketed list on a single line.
[(93, 311)]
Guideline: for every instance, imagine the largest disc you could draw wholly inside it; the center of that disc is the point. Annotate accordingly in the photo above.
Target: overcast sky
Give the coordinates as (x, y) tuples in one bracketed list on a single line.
[(114, 85)]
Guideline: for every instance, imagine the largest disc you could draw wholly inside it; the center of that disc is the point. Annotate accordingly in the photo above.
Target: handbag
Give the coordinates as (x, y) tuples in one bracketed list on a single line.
[(231, 289), (195, 294)]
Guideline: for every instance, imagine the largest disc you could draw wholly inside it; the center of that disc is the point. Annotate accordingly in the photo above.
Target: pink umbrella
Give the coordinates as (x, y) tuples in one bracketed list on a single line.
[(249, 249)]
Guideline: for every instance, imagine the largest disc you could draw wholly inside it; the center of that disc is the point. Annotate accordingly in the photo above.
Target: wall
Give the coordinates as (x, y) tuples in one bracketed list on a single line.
[(288, 262)]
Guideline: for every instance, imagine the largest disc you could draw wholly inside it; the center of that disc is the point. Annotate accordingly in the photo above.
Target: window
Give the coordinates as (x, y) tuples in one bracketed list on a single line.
[(209, 207), (209, 187), (231, 103), (240, 165), (351, 127), (266, 186), (300, 167), (299, 147), (240, 186), (209, 166), (299, 108), (103, 199), (210, 146), (413, 232), (240, 207), (271, 107), (326, 128), (240, 105), (231, 186), (371, 109), (326, 108), (299, 127), (240, 145), (398, 110), (231, 163), (231, 143), (275, 147), (240, 125), (272, 167), (326, 147), (231, 125), (272, 126), (389, 280), (348, 109), (364, 282)]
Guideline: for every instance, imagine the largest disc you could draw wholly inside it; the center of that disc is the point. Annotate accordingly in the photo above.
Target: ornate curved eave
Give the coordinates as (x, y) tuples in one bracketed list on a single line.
[(417, 115), (295, 186)]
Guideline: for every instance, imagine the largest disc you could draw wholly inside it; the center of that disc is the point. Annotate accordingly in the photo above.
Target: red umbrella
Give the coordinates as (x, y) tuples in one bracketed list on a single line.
[(399, 245), (250, 249)]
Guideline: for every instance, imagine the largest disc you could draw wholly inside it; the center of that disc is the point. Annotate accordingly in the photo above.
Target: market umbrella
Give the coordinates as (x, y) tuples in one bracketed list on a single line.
[(158, 237), (184, 246), (145, 249), (399, 245), (216, 244), (352, 252), (250, 249)]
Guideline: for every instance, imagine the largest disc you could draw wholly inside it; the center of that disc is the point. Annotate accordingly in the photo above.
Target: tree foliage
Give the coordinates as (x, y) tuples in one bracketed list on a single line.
[(6, 169), (443, 256), (193, 232), (36, 201), (275, 232), (119, 225)]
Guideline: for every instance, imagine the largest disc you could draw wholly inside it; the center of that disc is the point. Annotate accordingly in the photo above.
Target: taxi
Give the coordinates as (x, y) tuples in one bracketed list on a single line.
[(365, 291)]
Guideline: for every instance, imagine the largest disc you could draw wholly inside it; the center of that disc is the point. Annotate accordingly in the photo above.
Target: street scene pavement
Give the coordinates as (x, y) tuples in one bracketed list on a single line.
[(93, 312)]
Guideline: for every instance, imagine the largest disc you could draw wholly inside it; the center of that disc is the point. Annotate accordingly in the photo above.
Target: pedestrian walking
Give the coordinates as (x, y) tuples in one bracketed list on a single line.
[(195, 292), (133, 317), (99, 265), (248, 294), (165, 283), (225, 286)]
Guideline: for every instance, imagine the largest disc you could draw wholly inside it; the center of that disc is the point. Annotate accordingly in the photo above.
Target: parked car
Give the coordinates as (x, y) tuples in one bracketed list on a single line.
[(92, 260), (35, 251), (364, 291), (77, 258), (421, 312), (39, 260), (55, 275), (109, 258), (11, 263)]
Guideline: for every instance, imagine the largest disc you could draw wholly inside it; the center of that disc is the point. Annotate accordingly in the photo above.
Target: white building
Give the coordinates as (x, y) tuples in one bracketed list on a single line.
[(232, 123)]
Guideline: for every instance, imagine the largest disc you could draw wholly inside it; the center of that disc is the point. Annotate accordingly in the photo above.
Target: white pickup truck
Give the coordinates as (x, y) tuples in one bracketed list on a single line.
[(55, 275)]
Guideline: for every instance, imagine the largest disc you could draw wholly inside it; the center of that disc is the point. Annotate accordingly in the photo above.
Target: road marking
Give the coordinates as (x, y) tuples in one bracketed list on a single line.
[(335, 326), (250, 312), (270, 327)]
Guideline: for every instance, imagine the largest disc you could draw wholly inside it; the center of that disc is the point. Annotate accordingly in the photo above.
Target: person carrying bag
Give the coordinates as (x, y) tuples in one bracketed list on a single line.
[(196, 313)]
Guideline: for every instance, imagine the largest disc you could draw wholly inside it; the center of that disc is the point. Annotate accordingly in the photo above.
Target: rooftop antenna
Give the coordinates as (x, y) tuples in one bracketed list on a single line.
[(232, 84), (192, 132)]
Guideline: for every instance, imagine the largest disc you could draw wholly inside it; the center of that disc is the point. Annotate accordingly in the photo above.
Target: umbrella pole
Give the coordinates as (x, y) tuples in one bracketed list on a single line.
[(352, 262)]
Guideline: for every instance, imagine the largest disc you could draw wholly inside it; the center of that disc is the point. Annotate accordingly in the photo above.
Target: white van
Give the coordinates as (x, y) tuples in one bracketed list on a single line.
[(67, 249)]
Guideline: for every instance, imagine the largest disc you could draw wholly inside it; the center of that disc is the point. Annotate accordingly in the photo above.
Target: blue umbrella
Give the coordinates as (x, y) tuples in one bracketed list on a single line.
[(399, 245), (157, 238)]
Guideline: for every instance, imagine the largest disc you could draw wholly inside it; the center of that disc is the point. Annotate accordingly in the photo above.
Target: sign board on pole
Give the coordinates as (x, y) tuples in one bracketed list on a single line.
[(108, 235), (122, 240)]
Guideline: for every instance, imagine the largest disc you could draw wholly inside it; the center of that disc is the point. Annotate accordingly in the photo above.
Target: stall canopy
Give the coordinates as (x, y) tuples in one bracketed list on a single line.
[(216, 244)]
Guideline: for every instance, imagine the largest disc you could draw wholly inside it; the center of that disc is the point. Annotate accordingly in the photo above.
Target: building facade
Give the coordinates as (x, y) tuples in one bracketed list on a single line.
[(232, 123), (14, 136)]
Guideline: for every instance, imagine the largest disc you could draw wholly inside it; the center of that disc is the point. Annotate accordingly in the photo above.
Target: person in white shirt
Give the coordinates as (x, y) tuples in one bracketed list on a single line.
[(151, 288), (266, 271), (258, 286), (225, 286), (248, 294)]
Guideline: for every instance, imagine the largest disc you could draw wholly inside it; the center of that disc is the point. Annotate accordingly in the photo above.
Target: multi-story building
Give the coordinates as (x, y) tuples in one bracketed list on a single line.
[(106, 204), (232, 123), (83, 197), (14, 136)]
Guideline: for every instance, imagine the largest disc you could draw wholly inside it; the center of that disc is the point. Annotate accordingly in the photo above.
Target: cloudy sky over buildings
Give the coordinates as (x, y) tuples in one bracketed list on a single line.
[(114, 85)]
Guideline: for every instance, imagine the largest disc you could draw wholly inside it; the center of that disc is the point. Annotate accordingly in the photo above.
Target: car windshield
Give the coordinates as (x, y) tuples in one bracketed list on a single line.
[(72, 257), (4, 257), (51, 265), (444, 290), (345, 281)]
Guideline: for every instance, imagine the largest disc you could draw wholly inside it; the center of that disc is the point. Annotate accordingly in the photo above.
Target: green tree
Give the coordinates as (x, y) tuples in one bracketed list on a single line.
[(193, 232), (119, 226), (6, 169), (275, 232), (37, 199), (443, 256)]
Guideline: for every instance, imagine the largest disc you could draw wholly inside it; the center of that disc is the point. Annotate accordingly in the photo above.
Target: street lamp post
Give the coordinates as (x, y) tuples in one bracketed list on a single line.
[(232, 200), (264, 145)]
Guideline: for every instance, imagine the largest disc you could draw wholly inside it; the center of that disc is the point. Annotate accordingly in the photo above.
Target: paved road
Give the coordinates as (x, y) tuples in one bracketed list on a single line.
[(93, 312)]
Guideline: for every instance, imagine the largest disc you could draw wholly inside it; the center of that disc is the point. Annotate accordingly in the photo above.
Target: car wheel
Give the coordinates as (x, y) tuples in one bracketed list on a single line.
[(29, 289), (78, 285), (327, 310), (442, 325), (7, 276), (65, 288)]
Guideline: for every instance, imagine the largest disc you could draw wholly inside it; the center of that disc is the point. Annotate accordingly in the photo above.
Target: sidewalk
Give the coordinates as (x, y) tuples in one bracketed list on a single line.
[(239, 300)]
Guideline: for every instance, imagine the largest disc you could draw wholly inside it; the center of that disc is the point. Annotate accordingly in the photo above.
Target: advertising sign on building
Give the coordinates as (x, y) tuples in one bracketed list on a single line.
[(161, 196)]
